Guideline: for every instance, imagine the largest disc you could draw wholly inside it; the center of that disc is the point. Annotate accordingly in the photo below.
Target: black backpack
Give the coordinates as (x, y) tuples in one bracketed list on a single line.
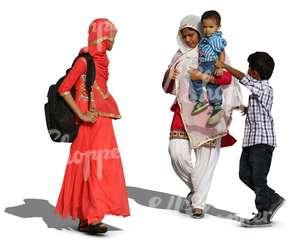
[(59, 116)]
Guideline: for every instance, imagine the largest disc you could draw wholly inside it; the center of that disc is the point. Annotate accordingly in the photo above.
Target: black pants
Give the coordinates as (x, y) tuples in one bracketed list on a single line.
[(255, 164)]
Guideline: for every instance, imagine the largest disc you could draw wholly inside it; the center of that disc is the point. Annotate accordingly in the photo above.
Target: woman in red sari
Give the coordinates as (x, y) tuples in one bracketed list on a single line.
[(94, 183)]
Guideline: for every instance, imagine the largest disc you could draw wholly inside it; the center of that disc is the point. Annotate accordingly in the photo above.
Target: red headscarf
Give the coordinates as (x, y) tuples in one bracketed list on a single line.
[(101, 37)]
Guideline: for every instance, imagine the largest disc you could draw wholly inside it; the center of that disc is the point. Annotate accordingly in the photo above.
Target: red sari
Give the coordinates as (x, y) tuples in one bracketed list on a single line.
[(94, 183)]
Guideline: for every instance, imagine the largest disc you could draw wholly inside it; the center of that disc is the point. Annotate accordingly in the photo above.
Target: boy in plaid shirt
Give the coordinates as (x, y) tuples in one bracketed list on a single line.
[(259, 137)]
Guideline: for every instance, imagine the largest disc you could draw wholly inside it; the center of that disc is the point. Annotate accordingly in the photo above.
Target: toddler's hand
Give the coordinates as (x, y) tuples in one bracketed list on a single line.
[(219, 72), (219, 64)]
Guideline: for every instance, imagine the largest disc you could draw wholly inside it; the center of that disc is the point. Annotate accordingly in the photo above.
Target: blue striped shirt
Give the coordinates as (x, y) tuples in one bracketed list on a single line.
[(211, 47)]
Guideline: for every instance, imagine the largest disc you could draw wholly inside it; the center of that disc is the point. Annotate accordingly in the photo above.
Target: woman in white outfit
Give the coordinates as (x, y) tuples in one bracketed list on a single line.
[(191, 133)]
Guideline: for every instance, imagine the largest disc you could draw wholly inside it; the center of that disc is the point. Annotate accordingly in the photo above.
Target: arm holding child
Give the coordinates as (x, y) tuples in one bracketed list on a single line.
[(218, 44), (224, 79), (219, 71)]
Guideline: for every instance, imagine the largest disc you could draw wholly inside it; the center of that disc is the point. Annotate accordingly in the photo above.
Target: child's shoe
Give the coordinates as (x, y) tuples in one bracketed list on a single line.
[(261, 219), (215, 117), (275, 206), (199, 107)]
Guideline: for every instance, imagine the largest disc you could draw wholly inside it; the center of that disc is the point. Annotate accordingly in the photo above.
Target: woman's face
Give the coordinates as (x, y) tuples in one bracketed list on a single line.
[(111, 42), (190, 37)]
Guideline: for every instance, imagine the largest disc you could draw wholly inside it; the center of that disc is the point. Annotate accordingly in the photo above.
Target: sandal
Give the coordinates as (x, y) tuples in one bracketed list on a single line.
[(82, 226), (97, 228), (198, 213)]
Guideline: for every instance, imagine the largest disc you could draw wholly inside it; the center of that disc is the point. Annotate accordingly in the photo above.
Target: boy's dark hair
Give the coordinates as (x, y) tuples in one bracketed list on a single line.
[(211, 14), (262, 63)]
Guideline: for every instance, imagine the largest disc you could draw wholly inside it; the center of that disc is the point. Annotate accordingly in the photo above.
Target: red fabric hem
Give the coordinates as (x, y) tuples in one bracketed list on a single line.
[(91, 219)]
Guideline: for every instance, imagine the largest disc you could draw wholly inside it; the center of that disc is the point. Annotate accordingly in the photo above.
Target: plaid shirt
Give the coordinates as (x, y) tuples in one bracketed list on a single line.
[(259, 128)]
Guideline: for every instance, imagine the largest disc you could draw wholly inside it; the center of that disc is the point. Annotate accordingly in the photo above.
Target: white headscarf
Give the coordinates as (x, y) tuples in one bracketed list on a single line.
[(196, 126), (185, 52), (190, 21)]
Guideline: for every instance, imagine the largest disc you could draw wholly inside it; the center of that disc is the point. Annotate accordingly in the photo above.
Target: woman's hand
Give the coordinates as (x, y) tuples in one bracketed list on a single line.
[(173, 74), (88, 117), (198, 75), (195, 74)]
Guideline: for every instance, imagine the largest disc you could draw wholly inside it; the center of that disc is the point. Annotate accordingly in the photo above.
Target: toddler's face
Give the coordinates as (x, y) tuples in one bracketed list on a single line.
[(190, 37), (209, 26)]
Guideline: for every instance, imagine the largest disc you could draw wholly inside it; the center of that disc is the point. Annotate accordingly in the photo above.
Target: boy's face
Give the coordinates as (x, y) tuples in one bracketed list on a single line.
[(190, 37), (253, 74), (209, 26)]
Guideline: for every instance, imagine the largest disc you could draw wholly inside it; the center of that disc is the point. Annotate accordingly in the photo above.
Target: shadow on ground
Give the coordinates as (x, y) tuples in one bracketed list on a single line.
[(39, 208), (161, 200)]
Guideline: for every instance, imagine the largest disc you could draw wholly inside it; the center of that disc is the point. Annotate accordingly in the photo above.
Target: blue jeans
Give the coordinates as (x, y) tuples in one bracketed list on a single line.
[(255, 164), (214, 92)]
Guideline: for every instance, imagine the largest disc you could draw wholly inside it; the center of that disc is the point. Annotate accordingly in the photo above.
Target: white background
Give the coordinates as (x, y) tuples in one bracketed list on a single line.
[(39, 40)]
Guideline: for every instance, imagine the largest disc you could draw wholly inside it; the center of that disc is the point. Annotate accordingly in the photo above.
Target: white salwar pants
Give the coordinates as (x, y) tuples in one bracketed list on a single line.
[(197, 176)]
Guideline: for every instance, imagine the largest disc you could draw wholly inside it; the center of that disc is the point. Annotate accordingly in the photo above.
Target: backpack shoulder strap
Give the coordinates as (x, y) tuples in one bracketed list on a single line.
[(90, 74), (91, 70)]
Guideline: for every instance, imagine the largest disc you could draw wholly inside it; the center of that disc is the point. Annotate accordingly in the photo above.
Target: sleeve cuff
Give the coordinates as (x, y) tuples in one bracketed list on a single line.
[(246, 79), (65, 93)]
